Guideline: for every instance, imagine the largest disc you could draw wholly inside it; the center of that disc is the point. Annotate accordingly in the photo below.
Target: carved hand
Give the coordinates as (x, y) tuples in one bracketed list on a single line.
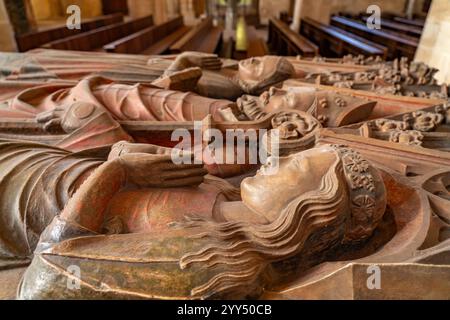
[(152, 166), (185, 80), (51, 119), (68, 119), (197, 59)]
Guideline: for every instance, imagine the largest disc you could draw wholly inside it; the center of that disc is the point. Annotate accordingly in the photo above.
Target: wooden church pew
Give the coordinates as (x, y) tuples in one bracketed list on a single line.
[(413, 22), (33, 40), (399, 45), (204, 37), (152, 40), (398, 27), (96, 39), (334, 41), (285, 41)]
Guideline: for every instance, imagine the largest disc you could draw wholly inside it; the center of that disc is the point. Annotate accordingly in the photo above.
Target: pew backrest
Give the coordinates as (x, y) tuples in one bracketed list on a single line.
[(288, 42), (339, 41), (95, 39), (398, 44), (33, 40), (140, 41)]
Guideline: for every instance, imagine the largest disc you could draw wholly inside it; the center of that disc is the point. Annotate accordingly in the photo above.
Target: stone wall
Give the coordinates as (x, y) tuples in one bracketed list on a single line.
[(162, 10), (89, 8), (271, 8), (47, 9), (321, 10), (434, 48), (7, 42), (54, 9)]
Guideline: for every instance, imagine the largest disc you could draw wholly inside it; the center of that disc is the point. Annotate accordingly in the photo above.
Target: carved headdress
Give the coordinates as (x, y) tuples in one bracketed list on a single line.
[(367, 194)]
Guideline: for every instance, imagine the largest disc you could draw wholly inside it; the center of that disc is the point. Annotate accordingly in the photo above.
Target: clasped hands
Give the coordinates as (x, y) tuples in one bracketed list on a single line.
[(148, 165)]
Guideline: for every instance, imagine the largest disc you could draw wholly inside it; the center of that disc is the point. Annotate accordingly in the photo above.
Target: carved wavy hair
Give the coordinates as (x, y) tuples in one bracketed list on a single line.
[(244, 249)]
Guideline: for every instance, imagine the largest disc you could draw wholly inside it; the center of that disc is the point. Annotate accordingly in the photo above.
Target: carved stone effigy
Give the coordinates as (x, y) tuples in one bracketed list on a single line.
[(88, 179), (221, 79)]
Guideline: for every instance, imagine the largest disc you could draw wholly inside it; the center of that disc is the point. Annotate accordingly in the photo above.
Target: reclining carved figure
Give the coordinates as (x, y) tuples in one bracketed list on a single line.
[(130, 224), (251, 76), (332, 109)]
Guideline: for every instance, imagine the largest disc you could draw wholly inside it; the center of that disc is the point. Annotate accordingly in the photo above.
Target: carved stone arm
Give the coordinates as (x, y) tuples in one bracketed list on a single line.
[(141, 166), (194, 59), (88, 206)]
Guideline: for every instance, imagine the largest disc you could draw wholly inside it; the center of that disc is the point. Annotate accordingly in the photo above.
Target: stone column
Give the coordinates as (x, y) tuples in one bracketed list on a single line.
[(297, 15), (434, 47), (17, 14), (410, 9), (173, 9), (160, 11), (187, 9), (140, 8)]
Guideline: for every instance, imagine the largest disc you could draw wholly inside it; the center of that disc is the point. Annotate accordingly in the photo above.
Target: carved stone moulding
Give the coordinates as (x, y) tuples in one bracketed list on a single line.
[(427, 128), (387, 105)]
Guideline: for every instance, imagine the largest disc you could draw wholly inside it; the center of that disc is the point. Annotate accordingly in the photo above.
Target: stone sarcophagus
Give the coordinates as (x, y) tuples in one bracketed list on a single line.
[(351, 202)]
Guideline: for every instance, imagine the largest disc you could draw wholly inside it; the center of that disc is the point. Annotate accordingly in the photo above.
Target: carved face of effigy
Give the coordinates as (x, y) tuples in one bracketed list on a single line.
[(257, 74), (305, 173), (294, 98), (297, 174)]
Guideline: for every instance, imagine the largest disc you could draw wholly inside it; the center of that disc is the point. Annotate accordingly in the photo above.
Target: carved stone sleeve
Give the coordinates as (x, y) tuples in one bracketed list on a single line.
[(36, 182)]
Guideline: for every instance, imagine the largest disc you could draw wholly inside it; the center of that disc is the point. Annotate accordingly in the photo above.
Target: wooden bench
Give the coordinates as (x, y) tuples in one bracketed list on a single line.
[(412, 22), (152, 40), (284, 41), (33, 40), (398, 44), (204, 37), (334, 41), (398, 27), (96, 39)]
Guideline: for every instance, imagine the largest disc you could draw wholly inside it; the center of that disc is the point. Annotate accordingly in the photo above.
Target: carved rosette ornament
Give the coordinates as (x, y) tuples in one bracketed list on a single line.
[(409, 137), (363, 194), (444, 110), (386, 125), (424, 121)]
